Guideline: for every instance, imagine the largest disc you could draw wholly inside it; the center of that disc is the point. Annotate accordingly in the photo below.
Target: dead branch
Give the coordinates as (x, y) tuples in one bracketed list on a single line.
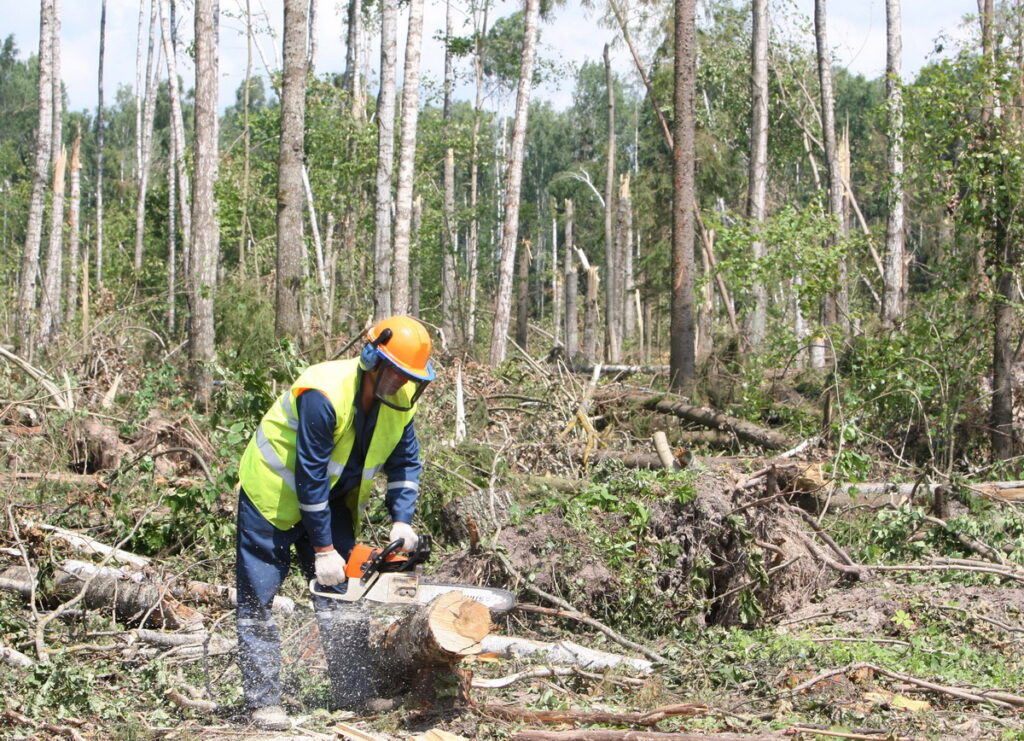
[(982, 549), (668, 460), (574, 614), (64, 401), (50, 728), (200, 706), (996, 697), (84, 544), (648, 719), (873, 736), (843, 556)]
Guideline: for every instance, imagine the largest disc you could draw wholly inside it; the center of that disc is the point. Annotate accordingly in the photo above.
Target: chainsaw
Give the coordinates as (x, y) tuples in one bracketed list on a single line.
[(384, 575)]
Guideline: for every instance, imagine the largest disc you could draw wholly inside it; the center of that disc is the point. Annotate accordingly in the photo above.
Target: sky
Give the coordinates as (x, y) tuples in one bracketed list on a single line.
[(856, 31)]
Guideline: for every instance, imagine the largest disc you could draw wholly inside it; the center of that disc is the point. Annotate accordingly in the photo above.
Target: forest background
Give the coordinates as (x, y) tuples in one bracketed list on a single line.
[(728, 210)]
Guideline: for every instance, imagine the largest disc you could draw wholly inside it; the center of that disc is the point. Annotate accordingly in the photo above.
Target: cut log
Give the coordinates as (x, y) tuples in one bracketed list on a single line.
[(745, 431), (442, 633), (418, 655), (598, 734)]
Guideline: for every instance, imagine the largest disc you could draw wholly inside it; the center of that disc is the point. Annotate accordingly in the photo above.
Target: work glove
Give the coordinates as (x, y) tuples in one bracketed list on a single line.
[(403, 531), (330, 568)]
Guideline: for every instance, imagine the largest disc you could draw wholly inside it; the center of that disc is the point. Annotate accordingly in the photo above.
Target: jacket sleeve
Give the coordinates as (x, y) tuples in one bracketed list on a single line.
[(403, 469), (314, 443)]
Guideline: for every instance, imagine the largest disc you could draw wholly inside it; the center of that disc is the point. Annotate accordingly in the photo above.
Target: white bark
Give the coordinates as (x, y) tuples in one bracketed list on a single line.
[(449, 232), (43, 146), (205, 226), (99, 149), (758, 172), (50, 309), (74, 230), (571, 287), (407, 160), (613, 275), (183, 196), (145, 135), (893, 297), (510, 226), (385, 159), (473, 240)]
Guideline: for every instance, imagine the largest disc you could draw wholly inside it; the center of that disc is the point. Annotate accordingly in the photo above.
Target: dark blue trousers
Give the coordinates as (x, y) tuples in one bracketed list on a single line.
[(263, 559)]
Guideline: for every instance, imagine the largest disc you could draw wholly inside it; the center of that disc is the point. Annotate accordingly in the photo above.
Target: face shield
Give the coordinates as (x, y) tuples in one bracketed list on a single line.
[(396, 388)]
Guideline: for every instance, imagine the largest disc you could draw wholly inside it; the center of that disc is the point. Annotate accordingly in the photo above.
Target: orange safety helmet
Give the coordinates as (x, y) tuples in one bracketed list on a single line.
[(402, 341)]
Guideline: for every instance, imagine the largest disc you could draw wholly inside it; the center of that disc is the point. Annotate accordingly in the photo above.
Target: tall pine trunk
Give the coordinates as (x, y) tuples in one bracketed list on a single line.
[(290, 190), (385, 159), (407, 160), (510, 225), (26, 314), (205, 227), (683, 337)]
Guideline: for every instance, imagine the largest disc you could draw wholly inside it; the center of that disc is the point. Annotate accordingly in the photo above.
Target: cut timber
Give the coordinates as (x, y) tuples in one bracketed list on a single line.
[(440, 634), (745, 431), (596, 734)]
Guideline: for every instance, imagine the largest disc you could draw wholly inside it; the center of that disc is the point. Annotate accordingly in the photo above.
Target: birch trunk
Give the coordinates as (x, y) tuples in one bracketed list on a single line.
[(353, 83), (172, 240), (407, 160), (473, 241), (290, 246), (74, 230), (145, 136), (179, 165), (205, 227), (449, 230), (385, 159), (838, 309), (26, 314), (557, 295), (99, 144), (613, 313), (50, 308), (510, 226), (571, 288), (523, 296), (624, 249), (894, 296), (243, 227), (758, 172), (682, 341)]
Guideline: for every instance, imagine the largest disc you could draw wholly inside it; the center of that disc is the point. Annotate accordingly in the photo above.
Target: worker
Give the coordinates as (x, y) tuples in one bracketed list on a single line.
[(305, 480)]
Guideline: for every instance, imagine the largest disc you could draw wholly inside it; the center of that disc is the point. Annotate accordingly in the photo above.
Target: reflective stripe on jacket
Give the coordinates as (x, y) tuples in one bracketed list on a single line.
[(267, 468)]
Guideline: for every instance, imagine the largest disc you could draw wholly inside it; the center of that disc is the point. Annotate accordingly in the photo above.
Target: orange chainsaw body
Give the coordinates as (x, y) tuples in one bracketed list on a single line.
[(362, 555)]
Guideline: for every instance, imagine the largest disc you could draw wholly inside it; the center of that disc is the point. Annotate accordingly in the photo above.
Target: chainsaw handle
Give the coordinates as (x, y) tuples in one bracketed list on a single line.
[(377, 559)]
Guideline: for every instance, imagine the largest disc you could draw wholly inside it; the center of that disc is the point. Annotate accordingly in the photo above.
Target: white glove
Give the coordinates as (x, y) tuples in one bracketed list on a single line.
[(403, 531), (330, 568)]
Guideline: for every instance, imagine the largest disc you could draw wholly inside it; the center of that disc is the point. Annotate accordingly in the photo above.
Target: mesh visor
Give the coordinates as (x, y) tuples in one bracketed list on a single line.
[(396, 388)]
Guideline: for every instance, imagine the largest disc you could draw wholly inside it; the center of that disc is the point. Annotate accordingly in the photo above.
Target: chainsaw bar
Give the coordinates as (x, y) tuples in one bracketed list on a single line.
[(402, 588)]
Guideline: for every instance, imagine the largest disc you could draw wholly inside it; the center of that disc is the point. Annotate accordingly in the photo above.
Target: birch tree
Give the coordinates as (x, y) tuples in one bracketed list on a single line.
[(510, 225), (144, 135), (571, 286), (835, 307), (177, 125), (100, 143), (473, 238), (385, 159), (74, 230), (407, 160), (205, 227), (613, 309), (894, 289), (683, 335), (50, 308), (449, 233), (757, 181), (26, 314), (290, 189)]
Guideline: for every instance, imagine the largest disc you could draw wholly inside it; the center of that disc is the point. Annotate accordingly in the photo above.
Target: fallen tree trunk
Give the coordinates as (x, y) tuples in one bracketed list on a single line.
[(600, 734), (508, 712), (745, 431), (563, 652)]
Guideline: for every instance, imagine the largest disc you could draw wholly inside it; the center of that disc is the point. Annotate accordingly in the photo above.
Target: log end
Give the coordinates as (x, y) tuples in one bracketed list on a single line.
[(459, 624)]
